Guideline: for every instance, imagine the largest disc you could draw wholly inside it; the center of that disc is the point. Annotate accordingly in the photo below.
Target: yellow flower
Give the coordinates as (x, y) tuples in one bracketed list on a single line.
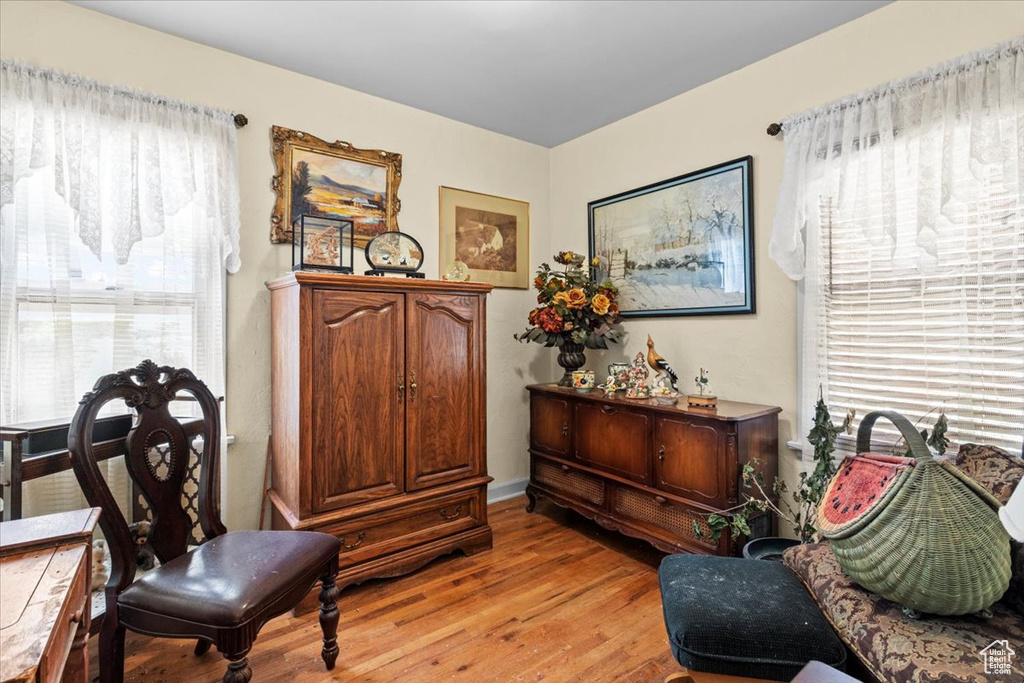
[(577, 299), (600, 304), (596, 261), (561, 298)]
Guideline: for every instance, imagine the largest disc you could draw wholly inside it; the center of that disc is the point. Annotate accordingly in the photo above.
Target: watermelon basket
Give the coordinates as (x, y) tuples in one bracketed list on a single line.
[(916, 531)]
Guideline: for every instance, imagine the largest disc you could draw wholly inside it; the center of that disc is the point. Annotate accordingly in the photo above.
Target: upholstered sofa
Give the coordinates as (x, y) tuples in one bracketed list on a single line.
[(934, 649)]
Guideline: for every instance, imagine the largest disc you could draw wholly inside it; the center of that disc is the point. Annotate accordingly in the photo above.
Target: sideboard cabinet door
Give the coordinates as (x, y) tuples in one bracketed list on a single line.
[(358, 421), (445, 382), (690, 459)]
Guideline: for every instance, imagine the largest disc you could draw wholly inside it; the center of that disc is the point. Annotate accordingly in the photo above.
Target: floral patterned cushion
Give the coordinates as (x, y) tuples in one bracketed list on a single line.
[(992, 467), (894, 647)]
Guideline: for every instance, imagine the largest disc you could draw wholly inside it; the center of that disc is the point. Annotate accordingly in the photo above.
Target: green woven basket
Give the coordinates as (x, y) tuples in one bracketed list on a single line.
[(931, 542)]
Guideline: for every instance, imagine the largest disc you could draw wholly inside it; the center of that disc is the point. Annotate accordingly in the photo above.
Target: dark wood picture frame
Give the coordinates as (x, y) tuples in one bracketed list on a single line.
[(686, 247)]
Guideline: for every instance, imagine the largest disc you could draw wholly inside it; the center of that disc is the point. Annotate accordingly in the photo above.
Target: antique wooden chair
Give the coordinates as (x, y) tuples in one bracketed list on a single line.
[(222, 592)]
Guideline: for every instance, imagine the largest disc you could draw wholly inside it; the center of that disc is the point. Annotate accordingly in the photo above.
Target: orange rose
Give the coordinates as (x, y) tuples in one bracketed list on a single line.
[(600, 304), (538, 282), (533, 316), (577, 299), (561, 298)]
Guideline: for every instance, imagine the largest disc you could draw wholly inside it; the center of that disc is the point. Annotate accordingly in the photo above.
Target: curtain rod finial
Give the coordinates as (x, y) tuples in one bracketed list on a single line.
[(774, 129), (241, 121)]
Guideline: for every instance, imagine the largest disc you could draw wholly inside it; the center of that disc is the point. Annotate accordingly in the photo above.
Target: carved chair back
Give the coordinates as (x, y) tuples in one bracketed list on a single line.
[(156, 458)]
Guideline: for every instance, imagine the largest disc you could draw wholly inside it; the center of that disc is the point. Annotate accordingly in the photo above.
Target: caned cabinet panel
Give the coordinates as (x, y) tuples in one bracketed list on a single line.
[(612, 438), (550, 429), (445, 389), (357, 440), (690, 459)]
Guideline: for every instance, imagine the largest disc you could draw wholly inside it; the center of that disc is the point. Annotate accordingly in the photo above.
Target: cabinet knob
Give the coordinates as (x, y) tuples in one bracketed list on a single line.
[(453, 515), (660, 500), (566, 468), (661, 454), (359, 540)]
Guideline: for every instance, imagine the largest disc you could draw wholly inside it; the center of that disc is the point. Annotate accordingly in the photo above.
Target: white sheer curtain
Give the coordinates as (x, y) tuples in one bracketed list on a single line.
[(901, 210), (118, 219)]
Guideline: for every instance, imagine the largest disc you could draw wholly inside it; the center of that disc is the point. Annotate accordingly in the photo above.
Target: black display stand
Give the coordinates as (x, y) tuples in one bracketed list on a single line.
[(381, 273)]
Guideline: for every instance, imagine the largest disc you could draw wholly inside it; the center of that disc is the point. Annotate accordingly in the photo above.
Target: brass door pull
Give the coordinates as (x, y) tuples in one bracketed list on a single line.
[(401, 387), (566, 468), (412, 385), (455, 515), (661, 454), (359, 539), (608, 409), (565, 430), (660, 500)]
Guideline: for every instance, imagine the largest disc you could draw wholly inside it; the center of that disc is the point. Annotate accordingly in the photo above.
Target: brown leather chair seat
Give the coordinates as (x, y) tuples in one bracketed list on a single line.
[(261, 567)]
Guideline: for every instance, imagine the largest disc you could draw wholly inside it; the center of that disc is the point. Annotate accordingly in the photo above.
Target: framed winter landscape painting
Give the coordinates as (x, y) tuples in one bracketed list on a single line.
[(684, 246)]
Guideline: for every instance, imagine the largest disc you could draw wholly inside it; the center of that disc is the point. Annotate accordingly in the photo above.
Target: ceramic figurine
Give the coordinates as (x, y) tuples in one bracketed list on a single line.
[(620, 371), (609, 387), (666, 375), (702, 400), (637, 386)]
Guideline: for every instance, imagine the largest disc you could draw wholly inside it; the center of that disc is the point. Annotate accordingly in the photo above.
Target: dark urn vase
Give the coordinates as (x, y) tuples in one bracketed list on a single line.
[(570, 357)]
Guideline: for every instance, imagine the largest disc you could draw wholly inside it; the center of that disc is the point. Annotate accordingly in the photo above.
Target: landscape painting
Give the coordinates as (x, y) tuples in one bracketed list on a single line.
[(333, 180), (336, 187), (490, 234), (485, 240), (682, 246)]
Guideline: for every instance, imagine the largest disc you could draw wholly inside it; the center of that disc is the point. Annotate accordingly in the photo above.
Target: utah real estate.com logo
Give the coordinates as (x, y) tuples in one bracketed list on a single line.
[(997, 657)]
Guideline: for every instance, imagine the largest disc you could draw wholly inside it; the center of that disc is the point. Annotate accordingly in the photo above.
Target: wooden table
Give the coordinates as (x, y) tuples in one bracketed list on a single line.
[(45, 572)]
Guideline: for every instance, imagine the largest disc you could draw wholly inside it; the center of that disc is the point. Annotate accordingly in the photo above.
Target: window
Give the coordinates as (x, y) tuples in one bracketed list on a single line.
[(118, 222), (927, 333), (902, 210)]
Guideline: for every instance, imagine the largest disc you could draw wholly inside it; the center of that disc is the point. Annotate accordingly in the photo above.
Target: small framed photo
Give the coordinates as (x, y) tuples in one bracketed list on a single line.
[(320, 243), (490, 234), (683, 246)]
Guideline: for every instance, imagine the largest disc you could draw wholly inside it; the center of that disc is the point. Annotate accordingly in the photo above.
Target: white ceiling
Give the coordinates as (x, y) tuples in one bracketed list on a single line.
[(541, 71)]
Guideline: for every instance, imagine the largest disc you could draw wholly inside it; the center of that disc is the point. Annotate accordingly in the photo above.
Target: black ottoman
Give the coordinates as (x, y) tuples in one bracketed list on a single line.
[(743, 618)]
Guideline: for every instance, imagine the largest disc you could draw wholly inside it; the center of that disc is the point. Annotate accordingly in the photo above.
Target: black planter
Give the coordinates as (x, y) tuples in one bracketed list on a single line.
[(768, 548), (570, 357)]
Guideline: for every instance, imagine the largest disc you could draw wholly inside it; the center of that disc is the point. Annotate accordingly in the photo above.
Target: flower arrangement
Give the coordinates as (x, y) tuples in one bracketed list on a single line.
[(572, 307)]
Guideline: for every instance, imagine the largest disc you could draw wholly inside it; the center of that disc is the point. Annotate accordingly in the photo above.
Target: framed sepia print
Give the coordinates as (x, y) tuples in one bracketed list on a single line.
[(333, 180), (684, 246), (491, 235)]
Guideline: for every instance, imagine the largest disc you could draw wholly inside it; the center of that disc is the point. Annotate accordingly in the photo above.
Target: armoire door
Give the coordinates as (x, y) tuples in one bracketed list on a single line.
[(445, 405), (358, 375)]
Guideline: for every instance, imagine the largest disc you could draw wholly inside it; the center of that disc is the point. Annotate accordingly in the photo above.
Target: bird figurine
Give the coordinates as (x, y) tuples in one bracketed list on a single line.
[(660, 365)]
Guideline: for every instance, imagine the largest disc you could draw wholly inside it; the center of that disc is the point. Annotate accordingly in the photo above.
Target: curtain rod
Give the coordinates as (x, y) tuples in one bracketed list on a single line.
[(951, 67)]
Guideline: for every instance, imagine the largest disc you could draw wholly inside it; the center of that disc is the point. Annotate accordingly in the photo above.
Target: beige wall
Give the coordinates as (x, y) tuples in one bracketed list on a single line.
[(436, 151), (754, 357)]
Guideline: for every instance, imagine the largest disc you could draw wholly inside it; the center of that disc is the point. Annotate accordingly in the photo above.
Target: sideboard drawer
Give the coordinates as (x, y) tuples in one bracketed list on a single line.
[(613, 439), (663, 515), (550, 428), (388, 532), (569, 482)]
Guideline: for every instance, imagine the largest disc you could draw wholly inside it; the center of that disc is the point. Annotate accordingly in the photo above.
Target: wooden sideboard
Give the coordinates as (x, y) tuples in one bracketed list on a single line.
[(378, 417), (646, 469), (45, 572)]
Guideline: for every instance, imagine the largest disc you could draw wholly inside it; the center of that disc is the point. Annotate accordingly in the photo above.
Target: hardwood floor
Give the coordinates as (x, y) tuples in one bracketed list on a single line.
[(557, 599)]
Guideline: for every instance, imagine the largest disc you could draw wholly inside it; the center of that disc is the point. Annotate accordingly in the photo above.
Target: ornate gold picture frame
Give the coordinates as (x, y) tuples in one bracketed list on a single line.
[(490, 234), (333, 180)]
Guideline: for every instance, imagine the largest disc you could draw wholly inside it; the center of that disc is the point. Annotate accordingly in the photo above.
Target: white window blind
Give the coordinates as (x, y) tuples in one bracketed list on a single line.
[(926, 331)]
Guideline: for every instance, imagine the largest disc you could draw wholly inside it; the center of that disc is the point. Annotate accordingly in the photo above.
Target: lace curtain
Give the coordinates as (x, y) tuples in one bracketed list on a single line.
[(901, 211), (119, 218)]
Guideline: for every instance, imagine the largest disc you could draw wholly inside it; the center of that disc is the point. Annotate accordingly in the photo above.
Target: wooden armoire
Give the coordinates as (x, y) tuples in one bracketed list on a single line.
[(378, 417)]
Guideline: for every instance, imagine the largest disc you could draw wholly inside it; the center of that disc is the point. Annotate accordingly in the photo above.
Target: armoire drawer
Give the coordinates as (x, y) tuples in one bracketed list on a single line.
[(661, 514), (569, 482), (404, 527)]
